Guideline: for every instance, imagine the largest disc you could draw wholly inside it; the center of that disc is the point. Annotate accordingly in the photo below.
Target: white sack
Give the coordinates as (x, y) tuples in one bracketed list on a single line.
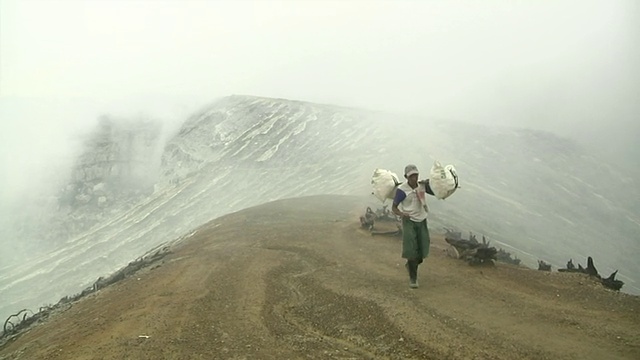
[(443, 180), (384, 184)]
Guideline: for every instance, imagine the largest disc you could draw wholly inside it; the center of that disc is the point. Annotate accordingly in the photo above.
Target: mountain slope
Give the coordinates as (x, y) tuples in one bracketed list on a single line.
[(523, 189), (299, 278)]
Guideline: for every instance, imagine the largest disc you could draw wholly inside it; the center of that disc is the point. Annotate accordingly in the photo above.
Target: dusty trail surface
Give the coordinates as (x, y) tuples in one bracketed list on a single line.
[(299, 279)]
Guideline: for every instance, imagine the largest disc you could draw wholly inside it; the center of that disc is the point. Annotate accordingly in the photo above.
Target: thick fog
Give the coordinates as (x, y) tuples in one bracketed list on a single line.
[(570, 67), (70, 67)]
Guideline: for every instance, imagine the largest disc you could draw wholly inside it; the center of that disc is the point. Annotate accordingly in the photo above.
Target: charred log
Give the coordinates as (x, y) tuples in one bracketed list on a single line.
[(483, 256), (462, 244), (368, 219), (505, 257), (384, 214), (612, 283), (591, 270), (543, 266), (570, 265), (452, 235), (472, 251)]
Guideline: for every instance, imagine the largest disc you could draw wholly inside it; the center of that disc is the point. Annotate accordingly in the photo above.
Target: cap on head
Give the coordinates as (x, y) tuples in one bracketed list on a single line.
[(410, 170)]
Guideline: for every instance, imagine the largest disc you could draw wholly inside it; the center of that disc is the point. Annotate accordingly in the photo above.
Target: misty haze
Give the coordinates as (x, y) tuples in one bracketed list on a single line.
[(127, 126)]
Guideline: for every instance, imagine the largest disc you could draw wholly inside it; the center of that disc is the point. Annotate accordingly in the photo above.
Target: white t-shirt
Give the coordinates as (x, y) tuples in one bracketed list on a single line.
[(412, 201)]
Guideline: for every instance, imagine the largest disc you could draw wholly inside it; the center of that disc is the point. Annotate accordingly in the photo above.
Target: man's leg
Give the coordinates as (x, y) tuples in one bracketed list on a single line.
[(410, 250), (423, 242), (412, 266)]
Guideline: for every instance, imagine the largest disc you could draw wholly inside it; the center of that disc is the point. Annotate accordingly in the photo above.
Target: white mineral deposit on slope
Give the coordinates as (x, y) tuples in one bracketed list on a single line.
[(567, 190), (297, 130), (569, 222), (495, 194), (637, 222)]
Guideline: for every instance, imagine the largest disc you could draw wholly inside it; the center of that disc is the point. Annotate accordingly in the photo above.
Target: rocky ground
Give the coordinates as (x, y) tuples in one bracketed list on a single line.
[(299, 279)]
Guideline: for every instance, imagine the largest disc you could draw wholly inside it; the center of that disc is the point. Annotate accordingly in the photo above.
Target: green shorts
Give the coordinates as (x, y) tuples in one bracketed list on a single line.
[(415, 239)]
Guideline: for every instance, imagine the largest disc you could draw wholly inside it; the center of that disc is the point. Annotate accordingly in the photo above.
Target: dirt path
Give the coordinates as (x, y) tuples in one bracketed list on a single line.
[(300, 279)]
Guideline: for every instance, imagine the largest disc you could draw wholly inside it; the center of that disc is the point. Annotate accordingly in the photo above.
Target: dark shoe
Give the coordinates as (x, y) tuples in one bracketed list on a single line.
[(413, 283)]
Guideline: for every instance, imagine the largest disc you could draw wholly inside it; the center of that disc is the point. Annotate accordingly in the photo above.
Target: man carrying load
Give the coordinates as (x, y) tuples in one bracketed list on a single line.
[(410, 204)]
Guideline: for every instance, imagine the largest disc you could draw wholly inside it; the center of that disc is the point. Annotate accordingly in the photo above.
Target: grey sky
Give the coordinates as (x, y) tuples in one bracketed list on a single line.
[(566, 66)]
